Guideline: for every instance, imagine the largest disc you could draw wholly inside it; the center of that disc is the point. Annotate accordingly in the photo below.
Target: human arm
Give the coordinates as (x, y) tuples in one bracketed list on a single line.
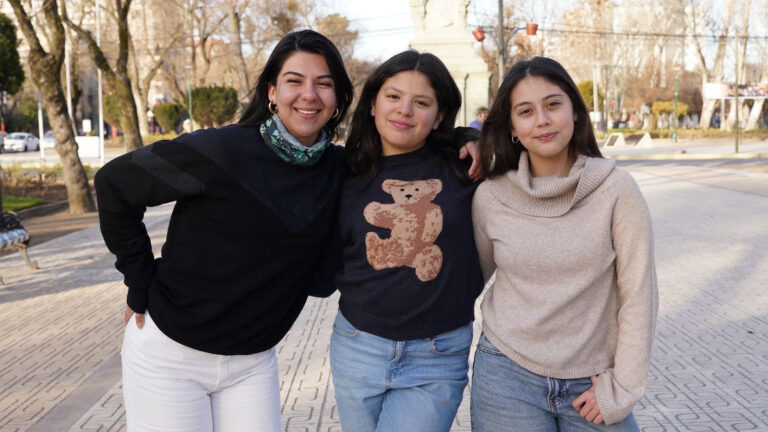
[(618, 389), (467, 139), (125, 187), (481, 203)]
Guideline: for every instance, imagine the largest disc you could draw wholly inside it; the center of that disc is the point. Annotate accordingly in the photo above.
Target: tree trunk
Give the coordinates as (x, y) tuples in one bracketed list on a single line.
[(754, 115), (128, 118), (46, 73), (707, 111), (117, 79), (141, 112), (244, 87)]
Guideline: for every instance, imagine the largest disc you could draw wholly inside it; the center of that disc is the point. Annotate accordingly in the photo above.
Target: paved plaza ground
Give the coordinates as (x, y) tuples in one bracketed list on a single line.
[(61, 326)]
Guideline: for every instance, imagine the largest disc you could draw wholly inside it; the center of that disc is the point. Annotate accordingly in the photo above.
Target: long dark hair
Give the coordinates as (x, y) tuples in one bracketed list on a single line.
[(363, 147), (305, 41), (498, 153)]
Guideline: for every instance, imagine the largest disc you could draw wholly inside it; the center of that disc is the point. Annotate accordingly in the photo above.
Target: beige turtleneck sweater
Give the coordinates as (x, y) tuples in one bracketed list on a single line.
[(575, 292)]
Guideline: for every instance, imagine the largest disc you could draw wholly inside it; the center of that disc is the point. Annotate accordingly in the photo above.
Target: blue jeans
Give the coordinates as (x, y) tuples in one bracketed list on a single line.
[(385, 385), (507, 397)]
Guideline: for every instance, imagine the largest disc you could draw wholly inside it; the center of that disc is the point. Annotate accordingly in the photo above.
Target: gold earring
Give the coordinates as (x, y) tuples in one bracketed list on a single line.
[(336, 113), (272, 107)]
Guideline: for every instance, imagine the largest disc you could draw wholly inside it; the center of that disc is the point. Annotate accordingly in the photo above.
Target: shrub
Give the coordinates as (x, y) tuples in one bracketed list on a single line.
[(169, 115), (214, 105), (586, 90), (666, 107)]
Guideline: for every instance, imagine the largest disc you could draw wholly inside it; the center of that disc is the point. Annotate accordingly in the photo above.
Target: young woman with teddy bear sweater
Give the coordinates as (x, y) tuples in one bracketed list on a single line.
[(410, 273)]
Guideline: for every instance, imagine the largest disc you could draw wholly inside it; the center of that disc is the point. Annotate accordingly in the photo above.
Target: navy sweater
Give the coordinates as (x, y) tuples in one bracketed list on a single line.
[(409, 264), (245, 238)]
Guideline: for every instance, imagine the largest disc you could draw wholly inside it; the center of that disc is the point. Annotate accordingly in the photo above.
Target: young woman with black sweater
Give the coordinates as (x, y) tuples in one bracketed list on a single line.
[(410, 273), (254, 203)]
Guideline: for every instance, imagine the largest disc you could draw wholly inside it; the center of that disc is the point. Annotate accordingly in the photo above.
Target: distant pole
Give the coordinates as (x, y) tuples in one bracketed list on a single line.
[(674, 110), (40, 124), (100, 91), (736, 93), (67, 58), (189, 104), (501, 57), (3, 100)]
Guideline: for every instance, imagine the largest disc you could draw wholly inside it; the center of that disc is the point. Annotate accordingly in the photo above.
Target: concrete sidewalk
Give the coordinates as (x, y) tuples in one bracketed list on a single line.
[(61, 326)]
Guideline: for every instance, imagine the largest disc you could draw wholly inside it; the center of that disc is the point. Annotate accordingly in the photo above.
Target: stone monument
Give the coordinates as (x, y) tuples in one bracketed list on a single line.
[(440, 28)]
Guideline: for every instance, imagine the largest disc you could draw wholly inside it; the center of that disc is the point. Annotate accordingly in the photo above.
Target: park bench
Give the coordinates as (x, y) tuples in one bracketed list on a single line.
[(13, 236)]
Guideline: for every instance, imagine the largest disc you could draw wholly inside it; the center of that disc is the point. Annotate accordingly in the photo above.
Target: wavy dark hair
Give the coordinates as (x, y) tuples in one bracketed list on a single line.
[(308, 41), (498, 154), (363, 148)]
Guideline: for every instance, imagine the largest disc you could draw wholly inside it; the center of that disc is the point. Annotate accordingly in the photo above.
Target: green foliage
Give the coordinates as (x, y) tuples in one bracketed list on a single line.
[(586, 90), (666, 107), (214, 105), (14, 203), (111, 112), (169, 115), (11, 72), (26, 111)]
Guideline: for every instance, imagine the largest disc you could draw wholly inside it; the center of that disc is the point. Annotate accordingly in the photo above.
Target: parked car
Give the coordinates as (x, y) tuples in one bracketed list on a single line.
[(2, 139), (48, 142), (21, 141)]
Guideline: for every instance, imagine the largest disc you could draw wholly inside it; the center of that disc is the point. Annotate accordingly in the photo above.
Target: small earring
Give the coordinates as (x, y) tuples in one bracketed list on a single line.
[(514, 139), (272, 107), (336, 113), (493, 162)]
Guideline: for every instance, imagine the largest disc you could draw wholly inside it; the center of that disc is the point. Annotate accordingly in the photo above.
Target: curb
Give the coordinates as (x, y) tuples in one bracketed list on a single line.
[(690, 156), (42, 210)]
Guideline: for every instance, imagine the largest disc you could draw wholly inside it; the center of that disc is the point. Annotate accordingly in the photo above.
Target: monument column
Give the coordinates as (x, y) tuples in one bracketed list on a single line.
[(440, 28)]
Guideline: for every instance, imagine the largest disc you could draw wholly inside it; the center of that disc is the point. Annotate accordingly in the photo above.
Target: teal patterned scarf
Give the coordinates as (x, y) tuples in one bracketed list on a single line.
[(288, 148)]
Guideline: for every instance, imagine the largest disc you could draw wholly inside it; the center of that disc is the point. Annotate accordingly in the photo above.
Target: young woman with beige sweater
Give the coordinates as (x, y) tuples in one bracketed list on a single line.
[(569, 321)]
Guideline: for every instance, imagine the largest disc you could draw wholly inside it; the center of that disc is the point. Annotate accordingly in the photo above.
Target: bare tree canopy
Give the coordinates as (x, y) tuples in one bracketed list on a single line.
[(45, 67)]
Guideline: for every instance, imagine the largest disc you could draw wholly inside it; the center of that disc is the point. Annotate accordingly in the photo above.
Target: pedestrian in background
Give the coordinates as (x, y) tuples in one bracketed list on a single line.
[(481, 114), (255, 202), (569, 321)]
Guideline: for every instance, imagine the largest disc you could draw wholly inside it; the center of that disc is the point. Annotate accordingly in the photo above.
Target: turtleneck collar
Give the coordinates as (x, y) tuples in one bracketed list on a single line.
[(550, 196)]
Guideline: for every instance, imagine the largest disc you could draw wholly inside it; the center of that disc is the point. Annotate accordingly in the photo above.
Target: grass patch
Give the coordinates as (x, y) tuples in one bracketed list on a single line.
[(14, 203)]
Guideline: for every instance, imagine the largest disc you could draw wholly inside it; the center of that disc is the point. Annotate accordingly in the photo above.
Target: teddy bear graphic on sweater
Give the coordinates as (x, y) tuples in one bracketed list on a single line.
[(415, 222)]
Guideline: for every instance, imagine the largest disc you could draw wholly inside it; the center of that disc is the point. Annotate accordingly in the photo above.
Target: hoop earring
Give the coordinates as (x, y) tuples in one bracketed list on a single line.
[(271, 106), (514, 140), (336, 113)]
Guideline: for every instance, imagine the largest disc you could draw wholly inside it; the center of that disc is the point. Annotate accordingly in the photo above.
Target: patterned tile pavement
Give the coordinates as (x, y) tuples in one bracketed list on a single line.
[(61, 326)]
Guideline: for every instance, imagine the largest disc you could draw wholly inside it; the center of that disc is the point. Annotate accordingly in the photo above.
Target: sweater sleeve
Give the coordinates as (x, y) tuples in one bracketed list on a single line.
[(621, 387), (480, 205), (125, 187)]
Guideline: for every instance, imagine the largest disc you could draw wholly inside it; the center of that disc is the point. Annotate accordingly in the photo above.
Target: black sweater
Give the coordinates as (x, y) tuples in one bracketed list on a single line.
[(245, 238), (394, 282)]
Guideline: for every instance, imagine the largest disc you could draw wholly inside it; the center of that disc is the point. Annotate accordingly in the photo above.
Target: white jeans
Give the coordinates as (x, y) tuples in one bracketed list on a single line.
[(170, 387)]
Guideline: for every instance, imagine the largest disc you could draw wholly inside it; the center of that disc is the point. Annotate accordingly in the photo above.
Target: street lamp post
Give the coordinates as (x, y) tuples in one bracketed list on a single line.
[(501, 55), (100, 91)]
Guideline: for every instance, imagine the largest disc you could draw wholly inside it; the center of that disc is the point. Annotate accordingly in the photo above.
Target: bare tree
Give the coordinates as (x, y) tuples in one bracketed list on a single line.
[(148, 55), (237, 11), (701, 21), (762, 48), (45, 68), (741, 38), (117, 78)]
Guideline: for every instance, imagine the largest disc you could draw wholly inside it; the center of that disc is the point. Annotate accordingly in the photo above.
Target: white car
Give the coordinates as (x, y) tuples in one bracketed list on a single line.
[(21, 142), (48, 142)]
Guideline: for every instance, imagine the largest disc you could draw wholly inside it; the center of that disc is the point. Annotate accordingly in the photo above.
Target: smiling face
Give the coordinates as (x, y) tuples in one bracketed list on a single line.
[(405, 112), (304, 94), (543, 121)]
